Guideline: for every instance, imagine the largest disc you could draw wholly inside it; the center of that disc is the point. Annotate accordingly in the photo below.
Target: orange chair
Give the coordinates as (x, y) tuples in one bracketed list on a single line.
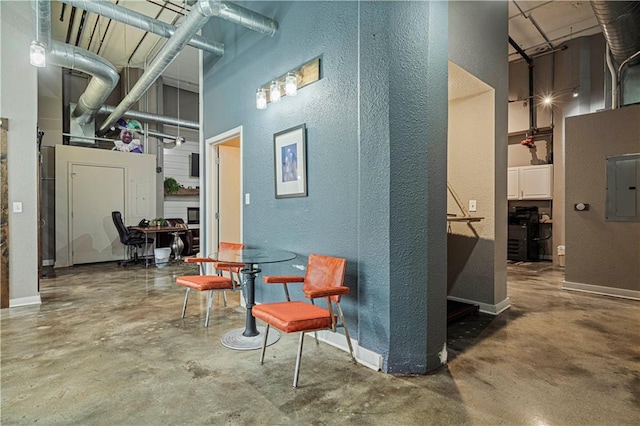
[(324, 279), (220, 267)]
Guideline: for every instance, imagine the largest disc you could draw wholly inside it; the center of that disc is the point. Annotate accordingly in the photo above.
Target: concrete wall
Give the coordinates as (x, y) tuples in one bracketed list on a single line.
[(376, 150), (477, 34), (19, 104), (601, 256)]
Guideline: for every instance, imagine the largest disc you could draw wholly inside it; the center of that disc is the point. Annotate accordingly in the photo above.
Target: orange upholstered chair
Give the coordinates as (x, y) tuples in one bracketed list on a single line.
[(211, 283), (220, 267), (324, 279)]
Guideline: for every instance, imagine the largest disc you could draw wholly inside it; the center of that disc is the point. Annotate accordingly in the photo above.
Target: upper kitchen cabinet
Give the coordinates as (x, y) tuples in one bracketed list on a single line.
[(530, 182)]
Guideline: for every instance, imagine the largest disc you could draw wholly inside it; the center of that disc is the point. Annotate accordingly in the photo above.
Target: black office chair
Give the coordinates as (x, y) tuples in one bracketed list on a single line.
[(130, 238)]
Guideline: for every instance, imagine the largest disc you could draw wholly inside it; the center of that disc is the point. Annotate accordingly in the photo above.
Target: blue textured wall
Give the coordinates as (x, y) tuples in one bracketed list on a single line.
[(376, 149)]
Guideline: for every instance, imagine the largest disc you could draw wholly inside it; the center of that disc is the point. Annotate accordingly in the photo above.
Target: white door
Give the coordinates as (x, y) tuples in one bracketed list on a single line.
[(229, 197), (96, 191)]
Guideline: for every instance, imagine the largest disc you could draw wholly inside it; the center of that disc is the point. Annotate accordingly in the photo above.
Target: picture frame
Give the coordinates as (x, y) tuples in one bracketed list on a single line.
[(290, 162)]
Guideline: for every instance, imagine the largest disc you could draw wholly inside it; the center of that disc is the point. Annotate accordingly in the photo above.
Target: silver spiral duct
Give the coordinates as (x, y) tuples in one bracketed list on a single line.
[(148, 117), (198, 16), (42, 11), (143, 22), (247, 18), (105, 77), (620, 23)]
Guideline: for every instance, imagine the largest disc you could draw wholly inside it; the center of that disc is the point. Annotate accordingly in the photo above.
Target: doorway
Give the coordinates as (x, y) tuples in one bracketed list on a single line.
[(224, 189)]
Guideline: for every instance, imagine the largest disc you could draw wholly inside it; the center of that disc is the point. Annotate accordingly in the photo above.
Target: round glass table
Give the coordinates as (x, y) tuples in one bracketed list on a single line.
[(250, 337)]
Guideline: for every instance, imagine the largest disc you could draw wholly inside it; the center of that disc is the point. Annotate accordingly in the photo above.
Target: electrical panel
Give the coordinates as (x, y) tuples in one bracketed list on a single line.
[(623, 188)]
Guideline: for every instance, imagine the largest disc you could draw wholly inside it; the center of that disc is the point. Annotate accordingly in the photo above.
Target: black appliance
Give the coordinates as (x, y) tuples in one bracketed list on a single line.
[(523, 243)]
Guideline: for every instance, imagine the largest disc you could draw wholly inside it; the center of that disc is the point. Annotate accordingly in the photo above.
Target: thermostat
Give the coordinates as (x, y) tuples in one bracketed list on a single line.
[(581, 207)]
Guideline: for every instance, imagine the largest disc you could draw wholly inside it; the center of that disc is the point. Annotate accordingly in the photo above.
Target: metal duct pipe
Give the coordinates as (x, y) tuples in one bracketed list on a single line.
[(42, 10), (198, 16), (143, 22), (620, 23), (614, 78), (105, 77), (245, 17), (148, 117)]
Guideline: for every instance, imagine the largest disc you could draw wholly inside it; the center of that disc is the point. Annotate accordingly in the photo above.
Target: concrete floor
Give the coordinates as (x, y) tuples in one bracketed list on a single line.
[(107, 347)]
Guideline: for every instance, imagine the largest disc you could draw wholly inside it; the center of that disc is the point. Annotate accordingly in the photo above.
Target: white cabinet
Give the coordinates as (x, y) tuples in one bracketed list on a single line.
[(530, 182)]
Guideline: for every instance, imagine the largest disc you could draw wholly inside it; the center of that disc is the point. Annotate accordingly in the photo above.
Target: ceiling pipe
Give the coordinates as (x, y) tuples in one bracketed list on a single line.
[(105, 76), (620, 23), (239, 15), (199, 15), (532, 110), (148, 117), (195, 20), (614, 77), (143, 22)]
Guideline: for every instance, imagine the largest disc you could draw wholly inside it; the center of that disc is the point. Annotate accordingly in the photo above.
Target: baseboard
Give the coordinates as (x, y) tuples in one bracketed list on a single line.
[(48, 262), (485, 307), (25, 301), (601, 290), (363, 356)]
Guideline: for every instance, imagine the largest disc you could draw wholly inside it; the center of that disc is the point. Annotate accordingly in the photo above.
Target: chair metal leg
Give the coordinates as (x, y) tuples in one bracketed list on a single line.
[(346, 332), (209, 300), (264, 344), (298, 358), (184, 306), (224, 298), (315, 333)]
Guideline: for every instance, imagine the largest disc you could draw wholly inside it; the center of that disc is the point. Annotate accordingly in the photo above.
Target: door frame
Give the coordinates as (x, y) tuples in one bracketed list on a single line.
[(211, 175)]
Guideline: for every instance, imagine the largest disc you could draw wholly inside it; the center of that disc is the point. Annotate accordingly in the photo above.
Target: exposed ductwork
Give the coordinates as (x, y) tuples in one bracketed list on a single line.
[(247, 18), (199, 15), (620, 23), (105, 76), (148, 117), (143, 22)]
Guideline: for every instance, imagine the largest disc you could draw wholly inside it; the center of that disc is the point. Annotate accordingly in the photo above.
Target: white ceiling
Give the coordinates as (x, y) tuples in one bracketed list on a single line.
[(558, 21), (123, 45)]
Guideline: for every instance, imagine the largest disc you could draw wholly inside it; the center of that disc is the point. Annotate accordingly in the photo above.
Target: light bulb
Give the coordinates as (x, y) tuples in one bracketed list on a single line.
[(547, 100), (261, 99), (575, 93), (291, 84), (37, 55), (179, 140), (274, 91)]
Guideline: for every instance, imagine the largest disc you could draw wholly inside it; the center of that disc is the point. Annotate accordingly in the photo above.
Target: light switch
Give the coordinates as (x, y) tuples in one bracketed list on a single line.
[(247, 199), (17, 207), (472, 206)]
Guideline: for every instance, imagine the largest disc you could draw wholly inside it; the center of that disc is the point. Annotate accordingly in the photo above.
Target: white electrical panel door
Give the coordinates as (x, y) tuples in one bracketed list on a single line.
[(513, 187), (623, 183), (536, 182)]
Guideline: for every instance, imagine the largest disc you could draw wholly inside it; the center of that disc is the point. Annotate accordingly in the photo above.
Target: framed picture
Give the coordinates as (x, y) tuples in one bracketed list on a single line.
[(290, 162)]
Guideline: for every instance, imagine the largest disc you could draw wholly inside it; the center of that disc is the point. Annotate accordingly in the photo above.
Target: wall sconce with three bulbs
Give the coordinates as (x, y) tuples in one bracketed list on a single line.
[(288, 84)]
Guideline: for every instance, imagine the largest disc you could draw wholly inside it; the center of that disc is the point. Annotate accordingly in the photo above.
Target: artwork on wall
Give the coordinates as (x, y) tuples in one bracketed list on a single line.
[(290, 162)]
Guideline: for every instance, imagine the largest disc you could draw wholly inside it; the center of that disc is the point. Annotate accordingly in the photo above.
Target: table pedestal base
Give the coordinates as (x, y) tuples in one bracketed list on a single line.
[(235, 340)]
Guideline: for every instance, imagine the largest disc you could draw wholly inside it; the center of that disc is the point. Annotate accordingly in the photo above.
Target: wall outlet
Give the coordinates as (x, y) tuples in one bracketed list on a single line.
[(472, 206), (17, 207), (247, 199)]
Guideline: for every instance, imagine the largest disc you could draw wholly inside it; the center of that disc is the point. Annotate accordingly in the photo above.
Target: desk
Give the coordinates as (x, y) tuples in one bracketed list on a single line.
[(249, 337), (155, 230)]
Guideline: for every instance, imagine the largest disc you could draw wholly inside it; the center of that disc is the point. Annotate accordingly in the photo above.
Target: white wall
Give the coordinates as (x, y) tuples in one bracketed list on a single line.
[(139, 172), (176, 165), (19, 104)]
